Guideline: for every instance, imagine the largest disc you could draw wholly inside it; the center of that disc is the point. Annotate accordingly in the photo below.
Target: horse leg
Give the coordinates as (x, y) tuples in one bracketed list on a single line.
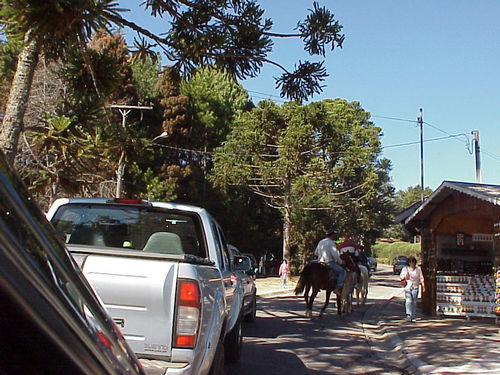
[(308, 312), (339, 304), (327, 301), (349, 304), (311, 300), (306, 294)]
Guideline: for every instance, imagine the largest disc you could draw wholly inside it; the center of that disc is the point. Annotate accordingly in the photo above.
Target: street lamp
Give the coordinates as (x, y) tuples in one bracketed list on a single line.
[(162, 135)]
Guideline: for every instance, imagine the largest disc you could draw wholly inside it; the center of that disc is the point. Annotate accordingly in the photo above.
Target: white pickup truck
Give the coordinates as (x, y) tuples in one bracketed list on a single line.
[(164, 274)]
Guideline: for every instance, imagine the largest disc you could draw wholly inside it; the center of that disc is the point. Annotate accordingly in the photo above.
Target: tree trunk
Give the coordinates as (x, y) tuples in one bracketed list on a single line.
[(287, 223), (122, 163), (18, 95)]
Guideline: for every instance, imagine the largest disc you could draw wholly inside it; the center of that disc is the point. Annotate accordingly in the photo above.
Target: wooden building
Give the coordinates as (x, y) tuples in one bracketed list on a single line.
[(459, 225)]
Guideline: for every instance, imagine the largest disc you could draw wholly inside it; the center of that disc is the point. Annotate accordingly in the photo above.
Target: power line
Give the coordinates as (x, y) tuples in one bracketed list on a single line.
[(267, 95), (449, 135), (395, 119), (417, 142), (264, 96), (491, 155)]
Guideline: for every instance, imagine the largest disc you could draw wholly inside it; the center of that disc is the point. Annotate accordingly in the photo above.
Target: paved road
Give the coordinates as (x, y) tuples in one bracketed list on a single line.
[(283, 341)]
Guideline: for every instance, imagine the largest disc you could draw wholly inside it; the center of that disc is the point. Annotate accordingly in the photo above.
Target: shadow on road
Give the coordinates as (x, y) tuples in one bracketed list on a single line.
[(283, 341)]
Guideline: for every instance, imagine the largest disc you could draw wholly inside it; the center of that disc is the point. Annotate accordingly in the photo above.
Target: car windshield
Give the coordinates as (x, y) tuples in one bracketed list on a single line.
[(131, 227)]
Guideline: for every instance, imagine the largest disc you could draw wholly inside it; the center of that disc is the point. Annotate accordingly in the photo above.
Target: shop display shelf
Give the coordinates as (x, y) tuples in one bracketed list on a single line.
[(449, 293), (478, 303), (447, 279), (451, 313)]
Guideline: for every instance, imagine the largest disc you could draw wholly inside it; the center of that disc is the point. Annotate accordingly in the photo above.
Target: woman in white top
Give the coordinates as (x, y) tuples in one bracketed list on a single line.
[(413, 277)]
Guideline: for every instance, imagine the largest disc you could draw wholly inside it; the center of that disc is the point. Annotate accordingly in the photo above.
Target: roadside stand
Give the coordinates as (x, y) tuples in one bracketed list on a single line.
[(459, 227)]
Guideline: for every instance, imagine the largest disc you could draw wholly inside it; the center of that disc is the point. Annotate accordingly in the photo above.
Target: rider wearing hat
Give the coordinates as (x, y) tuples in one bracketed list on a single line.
[(327, 253), (347, 250)]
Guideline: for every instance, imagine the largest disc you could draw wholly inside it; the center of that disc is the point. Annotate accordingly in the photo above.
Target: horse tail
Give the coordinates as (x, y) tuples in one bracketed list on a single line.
[(302, 280), (300, 285)]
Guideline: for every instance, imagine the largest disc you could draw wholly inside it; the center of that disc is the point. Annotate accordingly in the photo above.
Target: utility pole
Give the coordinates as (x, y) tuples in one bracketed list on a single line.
[(420, 121), (477, 156), (122, 162)]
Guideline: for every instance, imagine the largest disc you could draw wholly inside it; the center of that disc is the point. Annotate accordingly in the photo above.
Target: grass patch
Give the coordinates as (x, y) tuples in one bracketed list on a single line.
[(385, 252)]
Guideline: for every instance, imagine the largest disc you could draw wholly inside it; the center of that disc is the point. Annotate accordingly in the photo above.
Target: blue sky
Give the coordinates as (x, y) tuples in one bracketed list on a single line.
[(399, 56)]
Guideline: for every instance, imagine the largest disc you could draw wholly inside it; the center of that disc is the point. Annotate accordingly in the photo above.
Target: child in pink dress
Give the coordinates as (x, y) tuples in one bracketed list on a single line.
[(283, 272)]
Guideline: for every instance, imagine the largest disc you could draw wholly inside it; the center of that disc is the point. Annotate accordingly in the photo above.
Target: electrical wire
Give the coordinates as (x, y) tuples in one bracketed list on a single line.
[(491, 155), (417, 142), (266, 95), (449, 135), (395, 119)]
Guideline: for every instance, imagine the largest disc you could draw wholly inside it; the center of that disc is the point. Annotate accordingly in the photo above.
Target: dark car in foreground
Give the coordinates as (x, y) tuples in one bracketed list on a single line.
[(51, 322)]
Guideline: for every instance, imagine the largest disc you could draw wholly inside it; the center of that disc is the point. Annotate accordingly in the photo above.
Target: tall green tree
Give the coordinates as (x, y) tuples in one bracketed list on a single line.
[(402, 200), (145, 75), (412, 194), (366, 207), (303, 160), (232, 34), (52, 26), (9, 49), (215, 99), (76, 144)]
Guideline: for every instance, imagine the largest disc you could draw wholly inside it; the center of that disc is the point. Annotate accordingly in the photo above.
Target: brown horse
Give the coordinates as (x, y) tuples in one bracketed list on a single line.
[(315, 276)]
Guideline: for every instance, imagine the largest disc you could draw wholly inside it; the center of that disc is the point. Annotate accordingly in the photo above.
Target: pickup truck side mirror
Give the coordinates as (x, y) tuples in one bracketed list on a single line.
[(242, 263)]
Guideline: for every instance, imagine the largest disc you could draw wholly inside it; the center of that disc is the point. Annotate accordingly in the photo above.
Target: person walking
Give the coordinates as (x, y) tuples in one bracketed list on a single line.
[(283, 271), (411, 278), (327, 253)]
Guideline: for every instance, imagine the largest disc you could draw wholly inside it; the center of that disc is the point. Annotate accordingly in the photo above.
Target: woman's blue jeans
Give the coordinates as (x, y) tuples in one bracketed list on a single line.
[(411, 297)]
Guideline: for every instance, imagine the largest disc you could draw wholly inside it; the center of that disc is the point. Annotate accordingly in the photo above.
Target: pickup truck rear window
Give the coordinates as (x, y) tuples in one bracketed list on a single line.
[(131, 227)]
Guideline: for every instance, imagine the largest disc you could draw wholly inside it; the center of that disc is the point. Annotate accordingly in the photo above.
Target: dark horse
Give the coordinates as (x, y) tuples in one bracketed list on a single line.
[(315, 276)]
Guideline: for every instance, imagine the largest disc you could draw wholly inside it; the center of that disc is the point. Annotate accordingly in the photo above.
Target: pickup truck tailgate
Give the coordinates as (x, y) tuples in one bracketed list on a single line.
[(140, 296)]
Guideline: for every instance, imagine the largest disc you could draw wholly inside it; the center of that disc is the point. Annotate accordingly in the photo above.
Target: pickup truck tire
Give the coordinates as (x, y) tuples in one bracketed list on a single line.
[(217, 367), (250, 317), (233, 343)]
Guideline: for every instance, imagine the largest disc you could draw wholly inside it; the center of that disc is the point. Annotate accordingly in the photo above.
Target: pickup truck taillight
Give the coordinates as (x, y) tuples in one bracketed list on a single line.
[(187, 318)]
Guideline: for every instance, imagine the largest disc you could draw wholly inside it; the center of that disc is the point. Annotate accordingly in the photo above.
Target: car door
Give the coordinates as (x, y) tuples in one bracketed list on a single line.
[(232, 285)]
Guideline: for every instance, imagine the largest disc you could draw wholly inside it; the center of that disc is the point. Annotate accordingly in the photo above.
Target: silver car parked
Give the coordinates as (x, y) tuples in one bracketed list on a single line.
[(246, 274)]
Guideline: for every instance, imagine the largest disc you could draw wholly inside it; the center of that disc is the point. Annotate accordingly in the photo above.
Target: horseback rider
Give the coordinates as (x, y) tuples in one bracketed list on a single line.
[(363, 259), (327, 253), (347, 250)]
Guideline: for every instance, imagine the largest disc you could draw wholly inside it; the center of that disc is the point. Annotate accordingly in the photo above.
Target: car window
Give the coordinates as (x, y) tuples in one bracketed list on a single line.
[(221, 246), (131, 227), (225, 250)]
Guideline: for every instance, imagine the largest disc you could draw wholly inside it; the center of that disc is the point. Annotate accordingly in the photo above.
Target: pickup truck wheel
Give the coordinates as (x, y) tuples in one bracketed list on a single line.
[(217, 367), (234, 343), (250, 317)]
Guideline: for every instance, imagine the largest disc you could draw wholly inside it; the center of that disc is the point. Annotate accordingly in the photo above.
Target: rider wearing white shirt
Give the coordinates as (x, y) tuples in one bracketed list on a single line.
[(327, 253)]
